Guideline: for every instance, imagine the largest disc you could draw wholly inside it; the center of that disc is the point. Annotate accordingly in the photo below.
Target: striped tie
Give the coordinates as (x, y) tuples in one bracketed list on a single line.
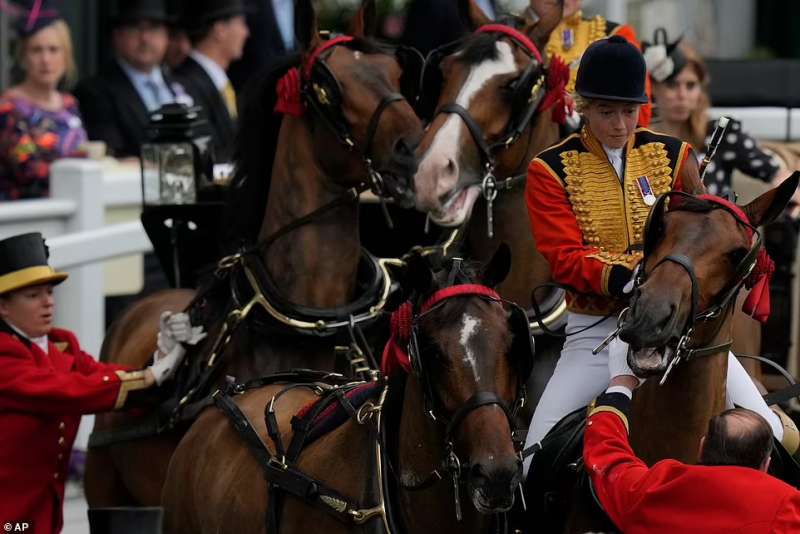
[(229, 96)]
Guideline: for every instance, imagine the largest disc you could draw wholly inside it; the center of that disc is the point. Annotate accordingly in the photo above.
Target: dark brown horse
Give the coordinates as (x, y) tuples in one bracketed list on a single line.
[(464, 379), (310, 266), (497, 83)]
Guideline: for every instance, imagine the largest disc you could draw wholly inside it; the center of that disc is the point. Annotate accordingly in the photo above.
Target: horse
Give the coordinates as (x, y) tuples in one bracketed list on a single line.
[(699, 252), (495, 111), (441, 427), (287, 301)]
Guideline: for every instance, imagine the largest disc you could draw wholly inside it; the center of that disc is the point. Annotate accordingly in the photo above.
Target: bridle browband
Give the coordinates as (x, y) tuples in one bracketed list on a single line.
[(687, 348)]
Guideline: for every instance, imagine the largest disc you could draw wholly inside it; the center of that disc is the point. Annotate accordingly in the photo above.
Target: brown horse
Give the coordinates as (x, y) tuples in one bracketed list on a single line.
[(466, 361), (310, 258), (717, 246), (496, 83)]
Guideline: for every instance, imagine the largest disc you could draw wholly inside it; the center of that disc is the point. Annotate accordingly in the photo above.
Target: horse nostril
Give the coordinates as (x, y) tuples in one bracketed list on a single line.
[(451, 167)]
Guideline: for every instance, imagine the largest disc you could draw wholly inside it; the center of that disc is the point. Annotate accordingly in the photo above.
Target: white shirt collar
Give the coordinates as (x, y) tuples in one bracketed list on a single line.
[(140, 77), (212, 68), (40, 341), (615, 157)]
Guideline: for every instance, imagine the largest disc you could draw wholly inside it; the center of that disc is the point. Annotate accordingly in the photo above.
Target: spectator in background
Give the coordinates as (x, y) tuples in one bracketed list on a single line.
[(38, 123), (117, 103), (217, 31), (178, 46), (271, 24), (680, 92)]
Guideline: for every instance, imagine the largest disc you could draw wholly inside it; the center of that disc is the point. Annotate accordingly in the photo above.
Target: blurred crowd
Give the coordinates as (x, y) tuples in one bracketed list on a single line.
[(202, 52)]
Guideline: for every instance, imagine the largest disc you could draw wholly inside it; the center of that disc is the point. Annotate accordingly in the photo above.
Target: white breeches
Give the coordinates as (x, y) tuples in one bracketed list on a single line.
[(580, 376)]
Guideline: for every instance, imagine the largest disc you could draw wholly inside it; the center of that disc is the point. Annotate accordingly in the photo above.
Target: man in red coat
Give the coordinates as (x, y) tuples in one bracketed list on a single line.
[(729, 491), (47, 382)]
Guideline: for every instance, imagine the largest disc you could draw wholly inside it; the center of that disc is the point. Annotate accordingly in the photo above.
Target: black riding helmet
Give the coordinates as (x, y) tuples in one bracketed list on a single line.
[(612, 69)]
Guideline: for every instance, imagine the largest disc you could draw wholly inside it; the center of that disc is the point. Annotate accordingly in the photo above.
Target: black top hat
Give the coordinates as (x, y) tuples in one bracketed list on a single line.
[(612, 69), (198, 13), (23, 263), (664, 59), (30, 16), (132, 11)]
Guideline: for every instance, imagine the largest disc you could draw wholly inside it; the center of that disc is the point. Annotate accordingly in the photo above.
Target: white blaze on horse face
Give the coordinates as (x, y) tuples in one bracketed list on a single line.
[(438, 172), (469, 327)]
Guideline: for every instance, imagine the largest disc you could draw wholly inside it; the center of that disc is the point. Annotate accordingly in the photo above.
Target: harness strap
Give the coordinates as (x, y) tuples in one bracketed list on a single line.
[(707, 351), (472, 126), (478, 400), (283, 477), (375, 120), (686, 263)]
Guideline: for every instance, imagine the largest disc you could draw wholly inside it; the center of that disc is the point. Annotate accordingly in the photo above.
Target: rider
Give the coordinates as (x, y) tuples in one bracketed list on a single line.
[(47, 382), (575, 33), (588, 199)]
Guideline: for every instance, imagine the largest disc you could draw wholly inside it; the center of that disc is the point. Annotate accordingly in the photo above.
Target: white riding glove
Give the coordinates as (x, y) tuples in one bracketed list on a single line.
[(175, 328), (618, 359)]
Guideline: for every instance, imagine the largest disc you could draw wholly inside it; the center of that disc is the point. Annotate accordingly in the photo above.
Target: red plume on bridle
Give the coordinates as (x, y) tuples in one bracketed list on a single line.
[(290, 87), (757, 303)]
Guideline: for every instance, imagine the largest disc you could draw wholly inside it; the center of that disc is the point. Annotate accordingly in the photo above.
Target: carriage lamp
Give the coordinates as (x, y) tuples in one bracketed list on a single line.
[(177, 159), (180, 201)]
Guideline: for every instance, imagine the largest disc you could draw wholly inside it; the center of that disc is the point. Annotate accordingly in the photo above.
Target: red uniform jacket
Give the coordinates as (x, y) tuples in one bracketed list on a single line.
[(587, 223), (672, 497), (42, 398)]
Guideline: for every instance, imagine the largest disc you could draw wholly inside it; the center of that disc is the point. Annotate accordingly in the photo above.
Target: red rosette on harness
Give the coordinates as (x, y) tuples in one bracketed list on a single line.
[(395, 356), (557, 79), (757, 303), (289, 91), (290, 87)]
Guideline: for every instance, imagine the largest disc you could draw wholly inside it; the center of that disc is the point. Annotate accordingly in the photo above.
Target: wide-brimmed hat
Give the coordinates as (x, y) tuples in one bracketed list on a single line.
[(23, 263), (199, 13), (612, 69), (664, 59), (132, 11)]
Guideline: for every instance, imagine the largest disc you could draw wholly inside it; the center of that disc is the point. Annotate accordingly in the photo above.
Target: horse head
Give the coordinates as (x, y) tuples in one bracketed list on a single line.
[(483, 92), (355, 88), (698, 253), (470, 357)]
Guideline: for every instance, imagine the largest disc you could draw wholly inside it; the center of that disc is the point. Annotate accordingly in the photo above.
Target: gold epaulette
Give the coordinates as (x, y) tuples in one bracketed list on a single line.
[(130, 381)]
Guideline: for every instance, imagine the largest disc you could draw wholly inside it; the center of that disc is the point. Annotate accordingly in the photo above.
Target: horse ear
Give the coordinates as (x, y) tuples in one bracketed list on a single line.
[(419, 276), (764, 209), (472, 15), (545, 15), (364, 22), (305, 25), (498, 267)]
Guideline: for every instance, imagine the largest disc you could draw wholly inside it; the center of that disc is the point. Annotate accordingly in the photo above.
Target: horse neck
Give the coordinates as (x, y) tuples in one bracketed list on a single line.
[(529, 269), (316, 264), (668, 421), (420, 451)]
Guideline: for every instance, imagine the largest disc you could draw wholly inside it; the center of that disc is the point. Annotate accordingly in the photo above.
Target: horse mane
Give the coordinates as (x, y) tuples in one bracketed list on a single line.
[(255, 148)]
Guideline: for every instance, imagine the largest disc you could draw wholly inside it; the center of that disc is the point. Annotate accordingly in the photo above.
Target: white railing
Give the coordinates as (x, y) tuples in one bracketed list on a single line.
[(73, 220)]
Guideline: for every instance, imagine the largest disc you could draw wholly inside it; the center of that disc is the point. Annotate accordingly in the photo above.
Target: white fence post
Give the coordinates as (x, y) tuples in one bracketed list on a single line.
[(82, 182)]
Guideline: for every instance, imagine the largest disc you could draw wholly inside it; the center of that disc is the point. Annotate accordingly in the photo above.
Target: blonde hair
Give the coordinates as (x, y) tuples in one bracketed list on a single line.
[(65, 38)]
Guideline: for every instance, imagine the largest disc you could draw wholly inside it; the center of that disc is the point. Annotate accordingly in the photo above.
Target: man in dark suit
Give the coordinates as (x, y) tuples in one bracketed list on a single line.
[(116, 104), (271, 24), (218, 32)]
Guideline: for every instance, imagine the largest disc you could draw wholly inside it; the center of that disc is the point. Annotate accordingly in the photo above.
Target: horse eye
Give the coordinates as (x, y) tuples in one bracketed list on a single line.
[(737, 255)]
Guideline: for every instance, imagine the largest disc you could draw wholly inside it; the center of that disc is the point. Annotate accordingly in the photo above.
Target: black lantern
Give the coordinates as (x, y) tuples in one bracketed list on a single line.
[(181, 202)]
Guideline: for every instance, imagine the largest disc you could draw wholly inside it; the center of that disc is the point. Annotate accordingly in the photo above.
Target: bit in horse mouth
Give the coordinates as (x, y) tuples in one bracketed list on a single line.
[(649, 361), (484, 507)]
